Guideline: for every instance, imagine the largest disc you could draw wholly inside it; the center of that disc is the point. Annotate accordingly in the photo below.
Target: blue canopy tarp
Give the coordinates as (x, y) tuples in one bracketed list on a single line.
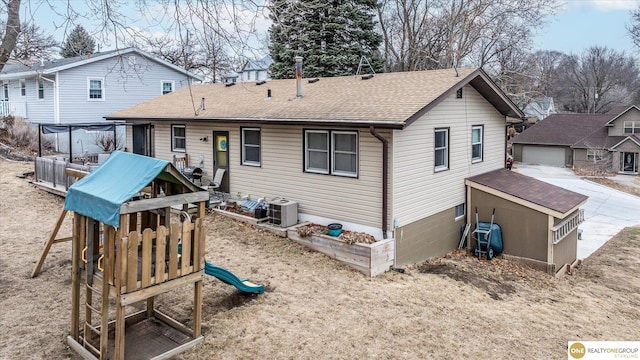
[(100, 194)]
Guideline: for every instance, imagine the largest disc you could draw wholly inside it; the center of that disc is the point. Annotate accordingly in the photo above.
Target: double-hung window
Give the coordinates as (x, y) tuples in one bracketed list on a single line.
[(96, 88), (594, 155), (178, 138), (23, 87), (167, 87), (251, 146), (441, 149), (476, 143), (632, 127), (331, 152)]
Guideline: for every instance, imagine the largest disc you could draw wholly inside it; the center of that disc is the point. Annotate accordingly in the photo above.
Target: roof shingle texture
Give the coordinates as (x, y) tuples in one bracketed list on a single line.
[(387, 98), (530, 189), (563, 129)]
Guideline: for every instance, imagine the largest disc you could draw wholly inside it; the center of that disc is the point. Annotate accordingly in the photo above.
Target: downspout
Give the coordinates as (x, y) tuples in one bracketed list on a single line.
[(56, 104), (385, 178)]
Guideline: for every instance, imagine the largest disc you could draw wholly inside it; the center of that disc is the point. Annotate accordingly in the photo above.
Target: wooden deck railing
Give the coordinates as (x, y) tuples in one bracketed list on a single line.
[(563, 229)]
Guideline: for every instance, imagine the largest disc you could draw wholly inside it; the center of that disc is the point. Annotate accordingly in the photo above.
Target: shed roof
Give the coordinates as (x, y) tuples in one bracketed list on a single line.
[(100, 194), (531, 190), (392, 100)]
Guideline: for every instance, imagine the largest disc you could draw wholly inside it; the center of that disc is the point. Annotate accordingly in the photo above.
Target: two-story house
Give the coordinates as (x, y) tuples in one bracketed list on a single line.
[(255, 70), (600, 142), (83, 89)]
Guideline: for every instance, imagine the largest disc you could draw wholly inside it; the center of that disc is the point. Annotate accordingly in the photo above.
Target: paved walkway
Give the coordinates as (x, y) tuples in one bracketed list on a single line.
[(606, 212)]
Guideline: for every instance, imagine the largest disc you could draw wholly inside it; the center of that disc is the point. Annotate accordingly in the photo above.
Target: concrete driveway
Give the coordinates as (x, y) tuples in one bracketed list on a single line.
[(606, 212)]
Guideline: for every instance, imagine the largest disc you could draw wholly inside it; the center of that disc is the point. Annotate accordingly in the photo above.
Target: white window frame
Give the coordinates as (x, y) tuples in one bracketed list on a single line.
[(306, 151), (23, 87), (174, 138), (5, 91), (335, 171), (633, 126), (460, 211), (245, 146), (40, 89), (480, 143), (444, 148), (173, 86), (102, 92), (594, 155)]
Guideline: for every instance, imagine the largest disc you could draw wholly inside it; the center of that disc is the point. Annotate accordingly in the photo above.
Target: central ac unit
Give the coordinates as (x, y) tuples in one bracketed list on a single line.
[(283, 212)]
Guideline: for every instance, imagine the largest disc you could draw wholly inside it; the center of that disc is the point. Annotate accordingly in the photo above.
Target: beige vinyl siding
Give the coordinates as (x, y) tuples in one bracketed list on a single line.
[(128, 138), (618, 125), (281, 172), (418, 190)]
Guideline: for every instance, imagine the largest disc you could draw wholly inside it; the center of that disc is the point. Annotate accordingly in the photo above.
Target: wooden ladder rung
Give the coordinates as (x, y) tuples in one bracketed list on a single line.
[(91, 347), (90, 306), (94, 289), (92, 328)]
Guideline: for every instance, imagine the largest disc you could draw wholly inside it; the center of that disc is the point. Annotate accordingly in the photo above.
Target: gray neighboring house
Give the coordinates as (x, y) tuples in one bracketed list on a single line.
[(255, 70), (83, 89), (540, 108), (602, 142)]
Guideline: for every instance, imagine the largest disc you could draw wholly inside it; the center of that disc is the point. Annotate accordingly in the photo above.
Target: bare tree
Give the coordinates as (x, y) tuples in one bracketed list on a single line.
[(422, 34), (32, 43), (113, 23), (597, 80), (11, 31)]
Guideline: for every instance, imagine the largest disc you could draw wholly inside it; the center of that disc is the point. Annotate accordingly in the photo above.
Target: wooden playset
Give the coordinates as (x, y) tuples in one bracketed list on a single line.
[(131, 259)]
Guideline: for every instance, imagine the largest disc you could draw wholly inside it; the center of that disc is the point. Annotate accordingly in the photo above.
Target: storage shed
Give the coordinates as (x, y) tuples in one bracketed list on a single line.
[(539, 221)]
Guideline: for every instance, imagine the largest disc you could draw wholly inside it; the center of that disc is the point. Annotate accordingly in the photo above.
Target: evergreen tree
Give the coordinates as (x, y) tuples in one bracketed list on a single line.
[(332, 36), (79, 42)]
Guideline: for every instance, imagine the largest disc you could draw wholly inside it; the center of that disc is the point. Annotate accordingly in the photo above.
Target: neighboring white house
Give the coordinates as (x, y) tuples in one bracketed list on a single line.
[(84, 89), (540, 108), (255, 70)]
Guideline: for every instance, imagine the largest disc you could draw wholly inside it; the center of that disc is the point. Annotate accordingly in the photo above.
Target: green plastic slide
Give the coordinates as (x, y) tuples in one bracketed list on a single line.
[(231, 279)]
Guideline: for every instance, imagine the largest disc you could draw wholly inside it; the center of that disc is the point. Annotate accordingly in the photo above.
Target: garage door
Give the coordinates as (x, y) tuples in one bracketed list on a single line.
[(544, 155)]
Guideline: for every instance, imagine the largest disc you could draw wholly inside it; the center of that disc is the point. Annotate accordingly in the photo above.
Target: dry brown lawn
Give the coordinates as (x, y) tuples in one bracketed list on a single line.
[(316, 308)]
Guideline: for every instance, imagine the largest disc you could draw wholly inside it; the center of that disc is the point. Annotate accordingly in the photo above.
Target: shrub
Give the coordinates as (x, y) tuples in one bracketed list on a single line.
[(107, 142)]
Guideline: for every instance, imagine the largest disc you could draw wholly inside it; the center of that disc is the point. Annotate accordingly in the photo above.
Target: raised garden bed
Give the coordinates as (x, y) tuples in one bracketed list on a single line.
[(370, 259)]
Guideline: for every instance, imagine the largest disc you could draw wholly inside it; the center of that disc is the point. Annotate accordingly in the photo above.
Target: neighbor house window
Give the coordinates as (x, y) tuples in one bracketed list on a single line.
[(23, 87), (460, 211), (251, 146), (441, 149), (5, 91), (331, 152), (40, 89), (96, 88), (476, 143), (167, 87), (594, 155), (632, 127), (178, 138)]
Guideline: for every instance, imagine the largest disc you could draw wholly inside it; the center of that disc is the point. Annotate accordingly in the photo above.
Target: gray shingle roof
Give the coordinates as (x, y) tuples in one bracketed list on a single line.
[(563, 129), (530, 189), (389, 99)]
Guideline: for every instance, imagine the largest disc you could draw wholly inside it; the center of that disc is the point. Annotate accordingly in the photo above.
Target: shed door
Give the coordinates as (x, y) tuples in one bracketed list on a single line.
[(544, 155)]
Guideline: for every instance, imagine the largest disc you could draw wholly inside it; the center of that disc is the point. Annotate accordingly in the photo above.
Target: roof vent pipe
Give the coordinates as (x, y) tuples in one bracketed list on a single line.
[(298, 76), (268, 93)]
